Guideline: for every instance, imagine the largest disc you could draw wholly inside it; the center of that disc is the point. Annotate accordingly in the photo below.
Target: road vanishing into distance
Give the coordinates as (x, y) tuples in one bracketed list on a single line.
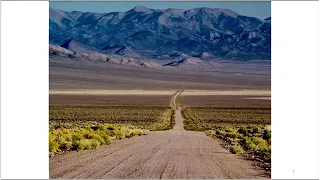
[(172, 154)]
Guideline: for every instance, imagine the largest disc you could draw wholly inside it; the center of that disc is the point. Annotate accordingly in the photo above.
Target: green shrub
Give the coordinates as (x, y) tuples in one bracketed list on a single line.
[(236, 149), (53, 146), (232, 135), (220, 132), (102, 127), (228, 129), (120, 134), (77, 137), (208, 133), (243, 130), (137, 132), (191, 127), (251, 147), (260, 144), (107, 139), (256, 129), (98, 138), (84, 144), (66, 145), (245, 142), (95, 143), (68, 137)]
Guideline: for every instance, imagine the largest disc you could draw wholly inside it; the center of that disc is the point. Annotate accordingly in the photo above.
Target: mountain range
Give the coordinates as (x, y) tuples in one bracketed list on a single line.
[(144, 33)]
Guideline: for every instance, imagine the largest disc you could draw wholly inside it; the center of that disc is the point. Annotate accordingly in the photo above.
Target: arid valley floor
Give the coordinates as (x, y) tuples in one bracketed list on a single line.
[(231, 92)]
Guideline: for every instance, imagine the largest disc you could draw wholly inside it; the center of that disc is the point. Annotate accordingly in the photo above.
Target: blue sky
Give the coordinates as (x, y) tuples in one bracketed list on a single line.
[(255, 9)]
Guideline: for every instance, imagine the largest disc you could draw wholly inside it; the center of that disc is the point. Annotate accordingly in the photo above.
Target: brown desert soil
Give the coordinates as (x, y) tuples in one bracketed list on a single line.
[(121, 77), (149, 100), (221, 101), (176, 153)]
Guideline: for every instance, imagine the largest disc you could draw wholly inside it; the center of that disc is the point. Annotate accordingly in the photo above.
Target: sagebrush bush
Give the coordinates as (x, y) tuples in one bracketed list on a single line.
[(236, 149), (243, 130), (232, 134), (95, 143), (83, 136), (53, 146), (98, 138), (77, 136), (256, 129), (84, 144), (208, 133), (260, 144), (220, 132), (102, 127), (107, 139)]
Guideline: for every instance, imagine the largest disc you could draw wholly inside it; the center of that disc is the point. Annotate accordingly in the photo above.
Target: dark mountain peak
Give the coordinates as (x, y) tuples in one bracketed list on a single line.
[(268, 19)]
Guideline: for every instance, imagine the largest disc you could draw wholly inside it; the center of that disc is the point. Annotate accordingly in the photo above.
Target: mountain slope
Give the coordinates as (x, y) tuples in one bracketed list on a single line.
[(220, 32)]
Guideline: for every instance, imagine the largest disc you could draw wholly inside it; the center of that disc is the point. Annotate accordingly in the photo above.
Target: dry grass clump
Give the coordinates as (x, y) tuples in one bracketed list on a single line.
[(74, 137), (252, 141)]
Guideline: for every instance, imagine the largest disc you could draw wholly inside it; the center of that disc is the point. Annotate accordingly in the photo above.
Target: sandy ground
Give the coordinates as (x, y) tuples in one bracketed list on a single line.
[(108, 92), (107, 77), (172, 154), (114, 100), (241, 92), (260, 98), (224, 101)]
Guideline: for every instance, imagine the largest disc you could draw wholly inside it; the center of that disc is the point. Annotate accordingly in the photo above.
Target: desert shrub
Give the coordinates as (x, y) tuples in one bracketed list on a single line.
[(120, 134), (107, 139), (260, 144), (137, 132), (102, 127), (81, 136), (95, 143), (98, 138), (84, 144), (53, 146), (66, 145), (245, 142), (220, 132), (68, 137), (269, 141), (77, 136), (232, 134), (191, 127), (251, 147), (236, 149), (256, 129), (228, 129), (243, 130), (208, 133), (266, 134)]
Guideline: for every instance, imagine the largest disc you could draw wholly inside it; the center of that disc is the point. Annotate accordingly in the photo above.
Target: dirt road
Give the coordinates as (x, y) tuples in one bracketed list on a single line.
[(176, 153)]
